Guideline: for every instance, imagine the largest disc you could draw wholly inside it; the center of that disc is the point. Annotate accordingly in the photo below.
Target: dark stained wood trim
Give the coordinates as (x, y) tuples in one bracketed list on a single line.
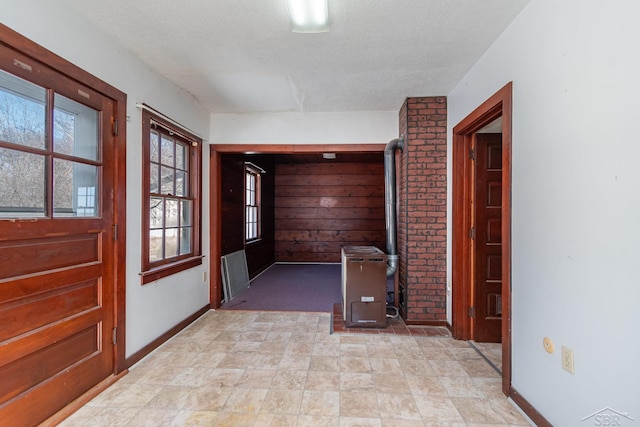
[(296, 149), (33, 50), (528, 409), (215, 188), (72, 407), (499, 104), (137, 356), (215, 228)]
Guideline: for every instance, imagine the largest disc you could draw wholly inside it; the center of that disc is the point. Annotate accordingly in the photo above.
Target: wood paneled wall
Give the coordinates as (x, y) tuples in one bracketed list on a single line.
[(260, 254), (321, 207)]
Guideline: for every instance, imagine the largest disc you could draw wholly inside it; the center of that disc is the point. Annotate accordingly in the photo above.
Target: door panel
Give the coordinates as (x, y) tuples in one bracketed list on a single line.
[(56, 244), (488, 242)]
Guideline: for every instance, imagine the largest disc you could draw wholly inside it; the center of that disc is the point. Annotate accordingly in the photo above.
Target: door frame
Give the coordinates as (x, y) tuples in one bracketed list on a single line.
[(498, 105), (215, 191), (27, 47)]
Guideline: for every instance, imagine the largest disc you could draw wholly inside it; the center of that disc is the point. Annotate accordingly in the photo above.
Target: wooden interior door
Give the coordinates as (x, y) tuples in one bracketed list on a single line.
[(56, 239), (487, 289)]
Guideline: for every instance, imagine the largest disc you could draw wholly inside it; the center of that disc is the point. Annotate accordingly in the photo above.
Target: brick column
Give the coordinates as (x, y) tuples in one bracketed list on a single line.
[(422, 216)]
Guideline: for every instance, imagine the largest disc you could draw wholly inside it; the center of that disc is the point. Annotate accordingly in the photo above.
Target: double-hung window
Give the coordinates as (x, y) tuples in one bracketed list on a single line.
[(252, 203), (172, 178)]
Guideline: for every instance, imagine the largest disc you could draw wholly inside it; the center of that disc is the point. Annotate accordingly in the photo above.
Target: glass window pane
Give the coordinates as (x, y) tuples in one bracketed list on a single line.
[(155, 245), (22, 111), (185, 212), (154, 147), (156, 212), (171, 213), (22, 185), (181, 155), (171, 242), (166, 151), (75, 128), (154, 179), (75, 189), (185, 240), (181, 183), (167, 180)]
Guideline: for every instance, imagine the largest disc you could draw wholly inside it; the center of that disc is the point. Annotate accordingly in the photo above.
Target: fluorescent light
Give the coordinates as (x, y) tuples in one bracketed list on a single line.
[(309, 16), (329, 156)]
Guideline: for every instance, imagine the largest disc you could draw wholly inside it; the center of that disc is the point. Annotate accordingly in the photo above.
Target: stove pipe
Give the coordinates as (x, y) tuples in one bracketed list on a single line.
[(390, 202)]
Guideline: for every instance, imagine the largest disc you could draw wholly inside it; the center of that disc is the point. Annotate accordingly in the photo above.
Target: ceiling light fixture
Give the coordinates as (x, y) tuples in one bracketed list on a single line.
[(309, 16)]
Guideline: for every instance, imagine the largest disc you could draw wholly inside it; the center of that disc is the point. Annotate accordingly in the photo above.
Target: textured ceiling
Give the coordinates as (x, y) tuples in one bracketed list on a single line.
[(240, 56)]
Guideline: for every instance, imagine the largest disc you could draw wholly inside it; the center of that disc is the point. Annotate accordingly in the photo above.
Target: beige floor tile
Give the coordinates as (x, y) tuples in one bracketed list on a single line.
[(477, 411), (360, 422), (318, 421), (478, 368), (256, 378), (194, 419), (151, 417), (437, 409), (324, 363), (275, 420), (321, 403), (223, 377), (426, 386), (245, 400), (359, 405), (507, 411), (390, 383), (207, 399), (323, 381), (355, 364), (282, 401), (416, 368), (461, 387), (171, 397), (235, 368), (448, 368), (288, 379), (398, 406), (356, 382)]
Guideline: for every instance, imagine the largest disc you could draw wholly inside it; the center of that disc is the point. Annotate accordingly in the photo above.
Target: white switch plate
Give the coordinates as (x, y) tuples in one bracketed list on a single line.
[(567, 360)]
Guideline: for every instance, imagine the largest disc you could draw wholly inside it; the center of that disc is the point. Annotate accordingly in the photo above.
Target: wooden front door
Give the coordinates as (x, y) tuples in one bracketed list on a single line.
[(487, 289), (56, 239)]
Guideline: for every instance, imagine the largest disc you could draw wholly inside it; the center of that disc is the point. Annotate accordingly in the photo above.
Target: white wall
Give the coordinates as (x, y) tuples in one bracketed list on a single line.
[(575, 69), (366, 127), (154, 308)]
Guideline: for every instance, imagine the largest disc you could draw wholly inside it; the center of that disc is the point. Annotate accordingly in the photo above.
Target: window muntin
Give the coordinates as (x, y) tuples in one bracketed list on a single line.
[(172, 181), (41, 174), (252, 203)]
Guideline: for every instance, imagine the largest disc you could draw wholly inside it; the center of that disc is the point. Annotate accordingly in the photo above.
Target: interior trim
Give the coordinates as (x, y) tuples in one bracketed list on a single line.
[(499, 104)]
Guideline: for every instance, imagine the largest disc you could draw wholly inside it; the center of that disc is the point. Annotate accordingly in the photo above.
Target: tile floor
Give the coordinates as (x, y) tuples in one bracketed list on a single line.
[(247, 368)]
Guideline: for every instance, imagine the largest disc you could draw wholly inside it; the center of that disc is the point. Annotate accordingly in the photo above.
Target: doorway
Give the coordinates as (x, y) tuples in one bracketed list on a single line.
[(481, 228)]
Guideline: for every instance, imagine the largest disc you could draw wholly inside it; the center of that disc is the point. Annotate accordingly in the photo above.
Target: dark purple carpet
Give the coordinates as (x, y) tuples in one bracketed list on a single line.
[(292, 287)]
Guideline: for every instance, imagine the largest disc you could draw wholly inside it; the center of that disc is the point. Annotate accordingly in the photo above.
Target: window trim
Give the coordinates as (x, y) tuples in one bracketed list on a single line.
[(152, 271), (250, 168)]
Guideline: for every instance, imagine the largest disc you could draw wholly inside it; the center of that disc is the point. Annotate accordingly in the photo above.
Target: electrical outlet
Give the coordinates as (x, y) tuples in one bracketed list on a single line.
[(204, 276), (567, 360)]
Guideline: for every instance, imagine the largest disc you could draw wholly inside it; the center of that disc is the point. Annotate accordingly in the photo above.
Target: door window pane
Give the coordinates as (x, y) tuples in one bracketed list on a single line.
[(22, 111), (75, 186), (22, 184), (75, 129)]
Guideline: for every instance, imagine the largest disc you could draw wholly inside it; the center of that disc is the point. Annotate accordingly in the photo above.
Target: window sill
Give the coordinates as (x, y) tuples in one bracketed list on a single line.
[(169, 269)]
